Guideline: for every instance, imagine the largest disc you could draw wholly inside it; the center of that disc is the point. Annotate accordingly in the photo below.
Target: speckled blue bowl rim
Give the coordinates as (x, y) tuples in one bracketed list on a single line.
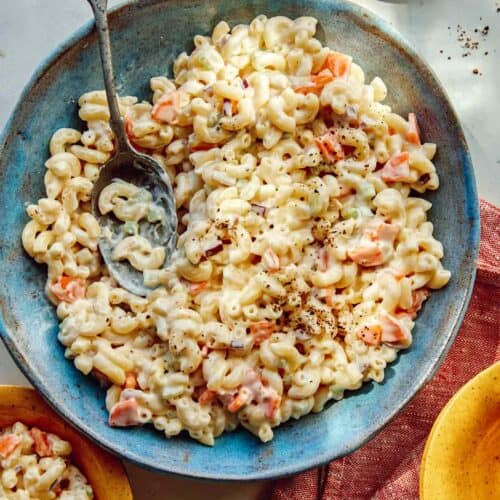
[(472, 210)]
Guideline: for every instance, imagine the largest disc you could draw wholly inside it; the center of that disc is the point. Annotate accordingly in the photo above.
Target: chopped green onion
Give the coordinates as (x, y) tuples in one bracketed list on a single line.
[(352, 213)]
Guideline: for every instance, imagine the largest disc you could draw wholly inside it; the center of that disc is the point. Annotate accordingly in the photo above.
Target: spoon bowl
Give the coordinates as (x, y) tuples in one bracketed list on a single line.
[(143, 172)]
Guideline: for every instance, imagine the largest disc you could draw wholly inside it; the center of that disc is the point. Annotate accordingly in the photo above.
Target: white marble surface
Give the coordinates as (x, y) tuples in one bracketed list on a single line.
[(30, 29)]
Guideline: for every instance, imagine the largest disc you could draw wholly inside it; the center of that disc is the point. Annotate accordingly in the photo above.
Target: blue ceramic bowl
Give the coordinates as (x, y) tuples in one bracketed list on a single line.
[(146, 36)]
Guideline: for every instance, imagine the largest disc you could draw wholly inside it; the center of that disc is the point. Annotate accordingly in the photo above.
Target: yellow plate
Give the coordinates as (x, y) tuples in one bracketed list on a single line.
[(104, 472), (461, 459)]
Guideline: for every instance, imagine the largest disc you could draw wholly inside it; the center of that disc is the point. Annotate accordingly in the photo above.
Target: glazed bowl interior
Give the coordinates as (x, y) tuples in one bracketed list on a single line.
[(103, 471), (146, 37)]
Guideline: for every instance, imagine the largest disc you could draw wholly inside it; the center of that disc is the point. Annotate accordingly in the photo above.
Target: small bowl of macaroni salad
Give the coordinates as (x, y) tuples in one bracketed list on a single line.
[(37, 463), (326, 240)]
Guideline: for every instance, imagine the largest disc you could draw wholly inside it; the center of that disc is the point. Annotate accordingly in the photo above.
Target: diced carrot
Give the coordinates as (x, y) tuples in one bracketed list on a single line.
[(413, 134), (68, 288), (8, 443), (401, 314), (387, 232), (418, 298), (124, 413), (206, 397), (397, 168), (322, 78), (65, 280), (393, 332), (204, 146), (130, 381), (330, 146), (309, 89), (367, 256), (270, 260), (338, 64), (195, 288), (400, 158), (241, 399), (167, 108), (370, 335), (42, 443), (262, 330), (384, 232), (330, 158)]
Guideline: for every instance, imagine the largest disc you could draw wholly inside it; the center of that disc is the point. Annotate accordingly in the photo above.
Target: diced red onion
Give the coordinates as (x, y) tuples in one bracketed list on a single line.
[(214, 249), (245, 83), (254, 258), (300, 348), (423, 179), (259, 209), (226, 239)]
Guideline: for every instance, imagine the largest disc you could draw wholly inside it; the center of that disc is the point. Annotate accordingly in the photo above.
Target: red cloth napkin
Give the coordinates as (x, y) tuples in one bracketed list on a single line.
[(388, 466)]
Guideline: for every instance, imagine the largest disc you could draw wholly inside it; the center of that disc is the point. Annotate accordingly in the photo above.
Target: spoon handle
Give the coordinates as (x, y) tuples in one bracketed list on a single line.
[(99, 8)]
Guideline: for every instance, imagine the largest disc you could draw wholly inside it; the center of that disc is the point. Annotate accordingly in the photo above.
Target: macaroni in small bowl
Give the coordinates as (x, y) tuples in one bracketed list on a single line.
[(36, 465), (303, 256)]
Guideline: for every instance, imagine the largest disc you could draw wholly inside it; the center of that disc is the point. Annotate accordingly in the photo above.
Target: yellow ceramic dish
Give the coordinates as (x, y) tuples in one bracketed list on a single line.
[(104, 472), (461, 459)]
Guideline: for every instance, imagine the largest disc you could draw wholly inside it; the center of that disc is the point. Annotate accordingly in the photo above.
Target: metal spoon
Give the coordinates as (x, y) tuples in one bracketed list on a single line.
[(131, 166)]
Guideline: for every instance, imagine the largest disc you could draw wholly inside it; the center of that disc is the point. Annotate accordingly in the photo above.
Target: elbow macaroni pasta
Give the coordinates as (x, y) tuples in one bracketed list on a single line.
[(36, 465), (302, 256)]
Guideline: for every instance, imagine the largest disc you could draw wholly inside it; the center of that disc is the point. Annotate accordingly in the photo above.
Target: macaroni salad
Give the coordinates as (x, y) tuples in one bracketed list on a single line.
[(36, 465), (302, 256)]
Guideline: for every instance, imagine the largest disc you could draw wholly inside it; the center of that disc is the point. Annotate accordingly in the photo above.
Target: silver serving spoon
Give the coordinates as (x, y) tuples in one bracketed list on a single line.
[(133, 167)]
